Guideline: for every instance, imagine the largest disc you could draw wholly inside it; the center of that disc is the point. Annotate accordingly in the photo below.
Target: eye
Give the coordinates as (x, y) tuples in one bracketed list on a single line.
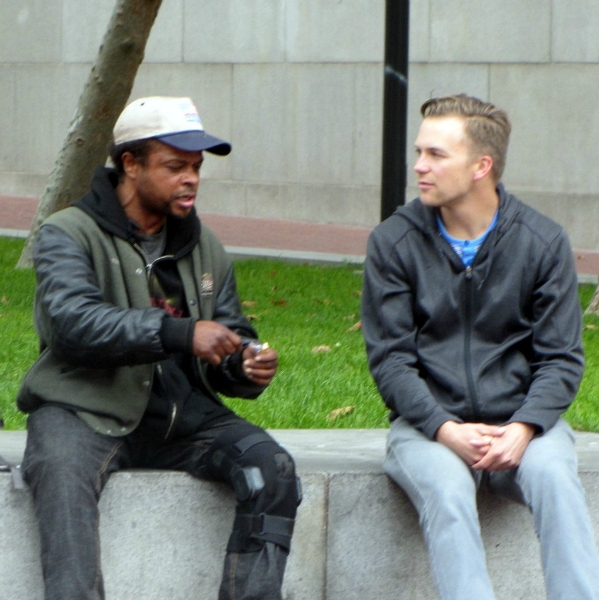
[(175, 167)]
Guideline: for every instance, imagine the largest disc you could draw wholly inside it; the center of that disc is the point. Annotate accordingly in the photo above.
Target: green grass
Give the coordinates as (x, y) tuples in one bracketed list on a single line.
[(308, 314), (18, 347), (583, 414), (296, 308), (300, 309)]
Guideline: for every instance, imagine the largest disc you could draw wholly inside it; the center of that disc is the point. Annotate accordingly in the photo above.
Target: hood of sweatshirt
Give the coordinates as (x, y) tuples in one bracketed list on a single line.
[(423, 218), (103, 205)]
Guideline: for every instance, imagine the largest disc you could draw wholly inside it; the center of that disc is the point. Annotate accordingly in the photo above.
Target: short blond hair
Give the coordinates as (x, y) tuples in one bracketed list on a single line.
[(487, 126)]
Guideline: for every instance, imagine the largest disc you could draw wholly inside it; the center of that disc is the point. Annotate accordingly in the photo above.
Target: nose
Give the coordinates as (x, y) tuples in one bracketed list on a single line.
[(420, 165), (191, 176)]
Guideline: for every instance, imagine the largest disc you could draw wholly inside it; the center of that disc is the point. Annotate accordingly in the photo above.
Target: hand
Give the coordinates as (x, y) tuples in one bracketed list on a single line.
[(506, 451), (213, 342), (260, 366), (470, 441)]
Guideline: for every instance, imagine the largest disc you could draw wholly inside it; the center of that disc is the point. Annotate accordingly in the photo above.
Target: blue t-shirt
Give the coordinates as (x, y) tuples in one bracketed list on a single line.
[(466, 249)]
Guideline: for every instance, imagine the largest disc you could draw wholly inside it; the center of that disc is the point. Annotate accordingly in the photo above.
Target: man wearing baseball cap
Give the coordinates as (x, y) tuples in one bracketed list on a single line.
[(140, 328)]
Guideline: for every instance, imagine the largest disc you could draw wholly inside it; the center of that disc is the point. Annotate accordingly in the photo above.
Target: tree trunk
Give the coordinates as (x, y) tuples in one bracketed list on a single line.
[(593, 308), (103, 98)]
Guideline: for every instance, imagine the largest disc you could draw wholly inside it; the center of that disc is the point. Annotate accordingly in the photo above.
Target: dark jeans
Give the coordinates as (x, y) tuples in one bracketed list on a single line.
[(67, 466)]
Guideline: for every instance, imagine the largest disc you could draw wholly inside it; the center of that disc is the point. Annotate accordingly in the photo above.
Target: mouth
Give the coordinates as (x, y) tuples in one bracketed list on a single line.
[(186, 201), (425, 185)]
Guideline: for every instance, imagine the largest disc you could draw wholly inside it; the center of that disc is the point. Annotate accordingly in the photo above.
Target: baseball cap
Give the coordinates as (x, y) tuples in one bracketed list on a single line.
[(174, 121)]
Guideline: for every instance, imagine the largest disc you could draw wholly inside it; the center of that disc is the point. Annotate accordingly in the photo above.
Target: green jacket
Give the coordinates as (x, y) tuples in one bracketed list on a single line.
[(100, 338)]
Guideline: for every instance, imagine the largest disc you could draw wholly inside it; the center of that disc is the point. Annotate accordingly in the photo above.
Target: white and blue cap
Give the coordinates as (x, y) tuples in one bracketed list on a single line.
[(173, 121)]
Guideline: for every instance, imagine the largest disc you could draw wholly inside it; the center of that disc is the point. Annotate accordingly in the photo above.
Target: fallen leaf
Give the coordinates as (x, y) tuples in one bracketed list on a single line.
[(350, 317), (252, 317), (280, 302), (248, 303), (340, 412), (318, 349), (355, 327), (590, 326), (4, 300)]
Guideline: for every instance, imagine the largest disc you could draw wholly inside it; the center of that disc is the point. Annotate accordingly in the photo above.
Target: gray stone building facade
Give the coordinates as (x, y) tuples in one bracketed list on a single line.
[(297, 86)]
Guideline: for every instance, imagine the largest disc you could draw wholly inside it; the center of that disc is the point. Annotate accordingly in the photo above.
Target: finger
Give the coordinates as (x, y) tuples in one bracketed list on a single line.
[(257, 373), (230, 342), (261, 356), (266, 355), (491, 430), (481, 442), (259, 379), (256, 365), (258, 369), (485, 463), (498, 458), (214, 359), (261, 375)]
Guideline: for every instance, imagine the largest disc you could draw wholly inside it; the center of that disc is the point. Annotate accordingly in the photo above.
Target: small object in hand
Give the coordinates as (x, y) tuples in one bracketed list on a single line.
[(260, 347)]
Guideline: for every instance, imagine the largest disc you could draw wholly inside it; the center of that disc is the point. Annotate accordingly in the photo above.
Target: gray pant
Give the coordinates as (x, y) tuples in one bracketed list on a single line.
[(67, 465), (443, 490)]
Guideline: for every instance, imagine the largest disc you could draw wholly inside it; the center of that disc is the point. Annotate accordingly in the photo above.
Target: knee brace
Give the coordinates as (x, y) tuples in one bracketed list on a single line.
[(251, 532), (263, 476)]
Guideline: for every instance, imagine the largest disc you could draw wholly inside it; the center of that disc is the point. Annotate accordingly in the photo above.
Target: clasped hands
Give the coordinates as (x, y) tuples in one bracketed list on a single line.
[(213, 342), (489, 447)]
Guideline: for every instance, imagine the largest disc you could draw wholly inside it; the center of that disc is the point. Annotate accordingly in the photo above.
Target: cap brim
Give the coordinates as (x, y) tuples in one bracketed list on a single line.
[(195, 141)]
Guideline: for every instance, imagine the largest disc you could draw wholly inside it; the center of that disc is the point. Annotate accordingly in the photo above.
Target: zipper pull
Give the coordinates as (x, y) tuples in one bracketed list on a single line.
[(468, 273)]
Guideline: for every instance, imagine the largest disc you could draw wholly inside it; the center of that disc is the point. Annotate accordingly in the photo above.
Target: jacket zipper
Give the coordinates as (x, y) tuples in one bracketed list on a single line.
[(172, 420), (468, 346), (174, 408)]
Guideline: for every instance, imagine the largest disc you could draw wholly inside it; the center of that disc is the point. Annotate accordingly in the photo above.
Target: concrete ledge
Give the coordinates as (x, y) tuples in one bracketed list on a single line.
[(357, 536)]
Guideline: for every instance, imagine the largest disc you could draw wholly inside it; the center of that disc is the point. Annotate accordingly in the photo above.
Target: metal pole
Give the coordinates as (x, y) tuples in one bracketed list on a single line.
[(395, 104)]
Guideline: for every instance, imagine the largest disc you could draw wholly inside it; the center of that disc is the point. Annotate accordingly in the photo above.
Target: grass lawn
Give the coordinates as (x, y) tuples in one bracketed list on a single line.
[(308, 313)]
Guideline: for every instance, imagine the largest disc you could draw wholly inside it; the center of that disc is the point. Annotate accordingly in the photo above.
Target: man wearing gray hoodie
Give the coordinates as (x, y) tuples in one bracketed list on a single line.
[(472, 325)]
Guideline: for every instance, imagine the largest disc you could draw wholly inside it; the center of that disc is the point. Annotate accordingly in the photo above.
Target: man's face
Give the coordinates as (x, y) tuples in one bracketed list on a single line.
[(167, 183), (445, 164)]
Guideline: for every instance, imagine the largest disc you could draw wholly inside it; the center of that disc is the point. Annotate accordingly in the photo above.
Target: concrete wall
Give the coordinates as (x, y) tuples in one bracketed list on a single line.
[(297, 86), (163, 534)]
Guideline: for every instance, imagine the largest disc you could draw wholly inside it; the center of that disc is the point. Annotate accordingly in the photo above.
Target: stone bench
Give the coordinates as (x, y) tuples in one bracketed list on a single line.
[(163, 534)]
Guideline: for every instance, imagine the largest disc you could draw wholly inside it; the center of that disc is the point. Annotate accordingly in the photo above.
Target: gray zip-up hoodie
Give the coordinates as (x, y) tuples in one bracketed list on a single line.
[(496, 342)]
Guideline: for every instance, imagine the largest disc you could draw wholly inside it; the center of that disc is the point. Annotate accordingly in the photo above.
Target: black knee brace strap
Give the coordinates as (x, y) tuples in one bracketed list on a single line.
[(244, 444), (264, 528)]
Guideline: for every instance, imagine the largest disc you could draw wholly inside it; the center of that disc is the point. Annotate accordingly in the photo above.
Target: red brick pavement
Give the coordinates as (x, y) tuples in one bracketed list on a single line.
[(16, 212)]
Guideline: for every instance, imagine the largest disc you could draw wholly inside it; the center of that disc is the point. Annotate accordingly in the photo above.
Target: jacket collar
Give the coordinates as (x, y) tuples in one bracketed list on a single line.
[(103, 205), (424, 217)]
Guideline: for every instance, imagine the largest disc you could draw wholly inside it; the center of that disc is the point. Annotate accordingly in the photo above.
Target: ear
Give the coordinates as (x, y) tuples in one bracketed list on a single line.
[(130, 165), (483, 167)]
